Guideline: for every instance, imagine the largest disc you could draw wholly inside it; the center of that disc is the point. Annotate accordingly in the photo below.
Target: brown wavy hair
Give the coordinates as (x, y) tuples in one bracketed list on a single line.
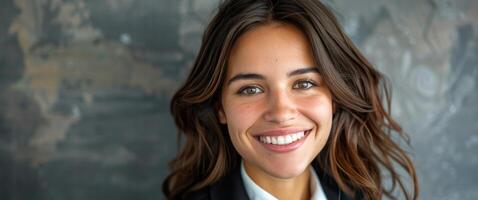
[(360, 151)]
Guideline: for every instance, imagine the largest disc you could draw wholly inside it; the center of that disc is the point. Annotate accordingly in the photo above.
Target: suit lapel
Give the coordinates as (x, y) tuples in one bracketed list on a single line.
[(330, 187), (230, 187)]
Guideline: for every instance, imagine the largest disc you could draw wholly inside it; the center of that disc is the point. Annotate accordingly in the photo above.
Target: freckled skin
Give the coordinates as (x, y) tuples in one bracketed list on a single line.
[(274, 50)]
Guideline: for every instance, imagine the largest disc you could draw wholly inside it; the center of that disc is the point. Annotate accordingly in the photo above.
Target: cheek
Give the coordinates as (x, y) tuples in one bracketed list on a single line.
[(319, 110), (241, 116)]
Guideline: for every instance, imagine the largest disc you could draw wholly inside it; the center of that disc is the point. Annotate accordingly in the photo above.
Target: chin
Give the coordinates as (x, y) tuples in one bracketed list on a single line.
[(287, 170)]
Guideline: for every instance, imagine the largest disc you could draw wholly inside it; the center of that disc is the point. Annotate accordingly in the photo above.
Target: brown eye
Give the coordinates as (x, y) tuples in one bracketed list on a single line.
[(304, 85), (250, 90)]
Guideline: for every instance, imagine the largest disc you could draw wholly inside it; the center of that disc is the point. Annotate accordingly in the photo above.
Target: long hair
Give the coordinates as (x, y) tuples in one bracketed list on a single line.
[(360, 150)]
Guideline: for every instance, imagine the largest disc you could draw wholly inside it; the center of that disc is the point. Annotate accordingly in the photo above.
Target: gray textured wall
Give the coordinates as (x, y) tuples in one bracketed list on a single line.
[(85, 85)]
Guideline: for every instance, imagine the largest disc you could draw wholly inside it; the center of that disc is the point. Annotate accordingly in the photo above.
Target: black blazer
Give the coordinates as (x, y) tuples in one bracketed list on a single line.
[(231, 187)]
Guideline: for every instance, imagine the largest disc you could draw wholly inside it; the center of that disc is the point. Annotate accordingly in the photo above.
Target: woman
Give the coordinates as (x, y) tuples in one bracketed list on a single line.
[(281, 104)]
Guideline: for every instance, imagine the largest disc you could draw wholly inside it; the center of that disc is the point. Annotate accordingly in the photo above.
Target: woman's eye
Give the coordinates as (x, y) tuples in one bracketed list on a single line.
[(304, 85), (250, 90)]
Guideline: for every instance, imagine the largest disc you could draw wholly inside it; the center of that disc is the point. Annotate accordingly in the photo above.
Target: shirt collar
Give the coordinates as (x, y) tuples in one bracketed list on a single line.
[(255, 192)]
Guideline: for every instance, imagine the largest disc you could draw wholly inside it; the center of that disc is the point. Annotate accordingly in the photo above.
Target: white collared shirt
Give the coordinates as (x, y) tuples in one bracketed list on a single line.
[(255, 192)]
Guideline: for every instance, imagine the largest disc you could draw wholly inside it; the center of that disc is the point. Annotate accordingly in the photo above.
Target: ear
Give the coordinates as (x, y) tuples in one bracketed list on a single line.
[(222, 116)]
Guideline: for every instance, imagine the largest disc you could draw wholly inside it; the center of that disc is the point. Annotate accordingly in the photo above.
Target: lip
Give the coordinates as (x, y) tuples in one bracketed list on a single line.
[(283, 148), (279, 132)]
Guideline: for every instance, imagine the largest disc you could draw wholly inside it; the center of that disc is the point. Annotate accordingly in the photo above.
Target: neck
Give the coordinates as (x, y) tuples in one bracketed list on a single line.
[(282, 188)]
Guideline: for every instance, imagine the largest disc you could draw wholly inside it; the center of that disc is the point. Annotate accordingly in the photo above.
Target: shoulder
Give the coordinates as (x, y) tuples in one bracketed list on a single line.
[(329, 185), (202, 194), (229, 187)]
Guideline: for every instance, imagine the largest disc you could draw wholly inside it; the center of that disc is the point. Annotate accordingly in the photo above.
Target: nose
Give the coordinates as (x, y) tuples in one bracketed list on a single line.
[(280, 107)]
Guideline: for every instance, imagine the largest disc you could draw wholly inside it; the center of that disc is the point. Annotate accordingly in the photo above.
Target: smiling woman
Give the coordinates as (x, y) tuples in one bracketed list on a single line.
[(277, 109), (281, 105)]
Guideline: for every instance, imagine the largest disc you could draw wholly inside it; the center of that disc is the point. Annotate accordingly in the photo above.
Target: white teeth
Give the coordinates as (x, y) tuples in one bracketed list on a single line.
[(283, 139), (301, 134), (273, 140), (280, 140), (288, 139), (263, 139)]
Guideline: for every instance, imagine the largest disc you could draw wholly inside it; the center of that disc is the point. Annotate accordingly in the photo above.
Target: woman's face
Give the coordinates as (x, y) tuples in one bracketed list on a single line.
[(276, 106)]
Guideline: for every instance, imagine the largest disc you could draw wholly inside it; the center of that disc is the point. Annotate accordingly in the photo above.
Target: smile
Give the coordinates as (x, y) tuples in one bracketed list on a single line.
[(283, 139), (282, 143)]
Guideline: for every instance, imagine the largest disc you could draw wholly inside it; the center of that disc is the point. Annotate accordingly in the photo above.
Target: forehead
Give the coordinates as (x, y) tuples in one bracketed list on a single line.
[(275, 45)]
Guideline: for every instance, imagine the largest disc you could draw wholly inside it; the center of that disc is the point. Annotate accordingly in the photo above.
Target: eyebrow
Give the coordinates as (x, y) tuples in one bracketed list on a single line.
[(253, 76)]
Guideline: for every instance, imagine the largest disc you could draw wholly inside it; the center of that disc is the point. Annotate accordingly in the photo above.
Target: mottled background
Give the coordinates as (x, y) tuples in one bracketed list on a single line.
[(85, 86)]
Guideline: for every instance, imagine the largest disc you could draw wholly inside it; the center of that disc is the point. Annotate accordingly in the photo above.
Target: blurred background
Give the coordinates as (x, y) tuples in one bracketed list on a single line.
[(85, 86)]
